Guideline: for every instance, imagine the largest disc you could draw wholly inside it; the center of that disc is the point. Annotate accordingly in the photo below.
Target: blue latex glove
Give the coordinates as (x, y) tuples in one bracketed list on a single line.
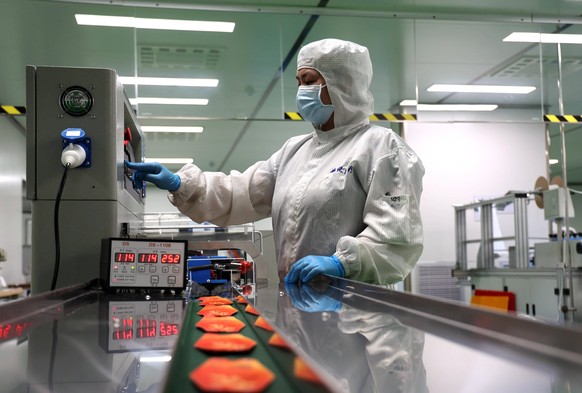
[(154, 172), (308, 299), (310, 266)]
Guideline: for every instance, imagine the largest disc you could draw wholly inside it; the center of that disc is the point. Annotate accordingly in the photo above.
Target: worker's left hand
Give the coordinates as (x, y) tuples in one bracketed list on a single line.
[(308, 299), (310, 266)]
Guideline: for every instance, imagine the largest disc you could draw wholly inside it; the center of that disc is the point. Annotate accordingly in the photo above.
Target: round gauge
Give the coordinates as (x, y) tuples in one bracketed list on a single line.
[(76, 101)]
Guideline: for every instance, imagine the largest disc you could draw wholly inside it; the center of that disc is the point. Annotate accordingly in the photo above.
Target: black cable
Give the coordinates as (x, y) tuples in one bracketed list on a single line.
[(56, 226)]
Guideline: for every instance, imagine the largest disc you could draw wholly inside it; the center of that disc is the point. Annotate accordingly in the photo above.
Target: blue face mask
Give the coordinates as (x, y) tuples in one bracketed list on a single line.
[(310, 106)]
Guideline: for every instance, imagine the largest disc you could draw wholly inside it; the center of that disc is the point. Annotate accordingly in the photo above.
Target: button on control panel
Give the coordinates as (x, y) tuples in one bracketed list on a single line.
[(145, 263)]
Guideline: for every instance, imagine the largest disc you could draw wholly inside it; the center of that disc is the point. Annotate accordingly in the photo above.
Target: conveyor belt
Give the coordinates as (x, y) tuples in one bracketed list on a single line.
[(280, 361)]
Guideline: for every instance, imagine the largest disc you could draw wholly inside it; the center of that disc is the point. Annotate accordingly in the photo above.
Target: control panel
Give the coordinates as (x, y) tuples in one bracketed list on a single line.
[(144, 264), (135, 325)]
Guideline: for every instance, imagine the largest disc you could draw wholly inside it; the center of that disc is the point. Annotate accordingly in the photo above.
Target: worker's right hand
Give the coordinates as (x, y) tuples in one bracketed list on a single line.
[(309, 299), (310, 266), (155, 173)]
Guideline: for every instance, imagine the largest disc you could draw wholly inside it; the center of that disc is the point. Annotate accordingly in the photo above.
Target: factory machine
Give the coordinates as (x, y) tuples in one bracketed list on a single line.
[(118, 302), (542, 274), (80, 115)]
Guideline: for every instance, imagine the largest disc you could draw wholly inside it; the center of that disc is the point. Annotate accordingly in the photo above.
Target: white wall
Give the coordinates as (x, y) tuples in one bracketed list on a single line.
[(469, 160), (12, 173)]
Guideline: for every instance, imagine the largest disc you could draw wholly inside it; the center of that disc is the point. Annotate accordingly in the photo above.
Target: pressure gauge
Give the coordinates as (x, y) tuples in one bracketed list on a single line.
[(76, 101)]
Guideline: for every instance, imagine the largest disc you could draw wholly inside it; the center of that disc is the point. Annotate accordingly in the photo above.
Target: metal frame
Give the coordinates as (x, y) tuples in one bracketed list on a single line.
[(209, 237), (486, 239)]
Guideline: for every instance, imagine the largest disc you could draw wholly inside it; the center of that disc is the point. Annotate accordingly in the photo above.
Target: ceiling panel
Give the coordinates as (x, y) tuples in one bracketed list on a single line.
[(413, 44)]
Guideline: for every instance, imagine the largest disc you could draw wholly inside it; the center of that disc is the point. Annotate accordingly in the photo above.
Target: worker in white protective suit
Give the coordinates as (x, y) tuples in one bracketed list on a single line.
[(344, 199)]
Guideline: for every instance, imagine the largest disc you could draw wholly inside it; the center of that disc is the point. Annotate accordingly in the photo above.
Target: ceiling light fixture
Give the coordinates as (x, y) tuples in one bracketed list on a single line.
[(168, 101), (172, 129), (151, 23), (181, 161), (190, 82), (480, 89), (456, 107), (544, 38), (449, 107)]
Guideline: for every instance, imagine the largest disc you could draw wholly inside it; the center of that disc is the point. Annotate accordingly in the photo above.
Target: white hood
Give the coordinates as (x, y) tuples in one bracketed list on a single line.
[(347, 70)]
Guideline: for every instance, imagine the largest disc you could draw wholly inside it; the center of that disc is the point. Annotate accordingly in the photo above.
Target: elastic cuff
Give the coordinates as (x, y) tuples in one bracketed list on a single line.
[(340, 267), (175, 185)]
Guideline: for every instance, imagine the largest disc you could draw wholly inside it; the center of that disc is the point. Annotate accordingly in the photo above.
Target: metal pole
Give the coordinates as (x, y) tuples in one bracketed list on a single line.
[(461, 237), (486, 236), (566, 260), (521, 231)]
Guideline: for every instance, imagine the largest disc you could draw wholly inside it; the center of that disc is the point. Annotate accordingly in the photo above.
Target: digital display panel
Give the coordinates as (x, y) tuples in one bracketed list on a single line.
[(146, 328), (148, 258), (12, 330), (146, 263), (168, 329), (125, 257), (170, 258), (123, 334), (123, 329)]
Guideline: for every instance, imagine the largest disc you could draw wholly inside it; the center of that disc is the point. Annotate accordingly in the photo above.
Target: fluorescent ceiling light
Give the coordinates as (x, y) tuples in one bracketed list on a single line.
[(155, 359), (171, 160), (544, 38), (191, 82), (171, 129), (553, 161), (448, 107), (456, 107), (168, 101), (481, 89), (150, 23)]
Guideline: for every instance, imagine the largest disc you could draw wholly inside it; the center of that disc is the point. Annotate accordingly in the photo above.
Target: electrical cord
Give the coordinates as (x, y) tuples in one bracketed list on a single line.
[(56, 227)]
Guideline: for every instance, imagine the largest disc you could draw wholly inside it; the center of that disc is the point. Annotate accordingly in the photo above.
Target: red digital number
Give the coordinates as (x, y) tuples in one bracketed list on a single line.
[(170, 258), (5, 330), (147, 328), (168, 329), (125, 331), (148, 258), (124, 257), (123, 334)]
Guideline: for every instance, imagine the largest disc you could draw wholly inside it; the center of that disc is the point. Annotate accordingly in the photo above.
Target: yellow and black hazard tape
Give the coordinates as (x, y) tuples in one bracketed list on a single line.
[(563, 118), (393, 117), (12, 110), (293, 116), (374, 117)]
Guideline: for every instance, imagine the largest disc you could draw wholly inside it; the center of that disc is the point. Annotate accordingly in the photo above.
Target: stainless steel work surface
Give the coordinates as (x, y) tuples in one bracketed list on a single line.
[(358, 338), (363, 338)]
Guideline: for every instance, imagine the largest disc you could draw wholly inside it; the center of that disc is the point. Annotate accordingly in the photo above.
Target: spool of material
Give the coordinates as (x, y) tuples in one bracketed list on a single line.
[(540, 186)]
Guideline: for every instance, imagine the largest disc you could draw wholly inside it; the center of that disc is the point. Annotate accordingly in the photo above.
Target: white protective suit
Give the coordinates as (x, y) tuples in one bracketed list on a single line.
[(353, 191)]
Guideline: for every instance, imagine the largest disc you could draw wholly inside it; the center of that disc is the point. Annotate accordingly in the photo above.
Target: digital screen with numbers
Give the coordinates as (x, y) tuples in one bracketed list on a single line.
[(168, 329), (146, 263), (148, 258), (136, 325), (170, 258), (128, 257)]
